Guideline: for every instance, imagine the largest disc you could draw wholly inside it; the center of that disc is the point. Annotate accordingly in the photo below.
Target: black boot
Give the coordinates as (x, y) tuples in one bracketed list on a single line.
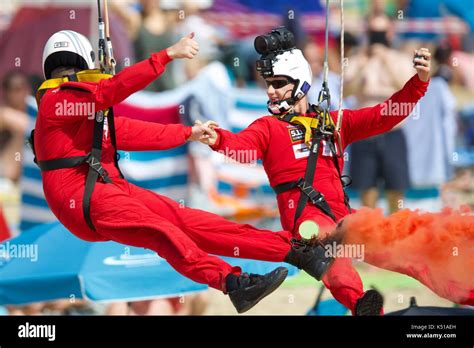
[(313, 258), (248, 289), (370, 303)]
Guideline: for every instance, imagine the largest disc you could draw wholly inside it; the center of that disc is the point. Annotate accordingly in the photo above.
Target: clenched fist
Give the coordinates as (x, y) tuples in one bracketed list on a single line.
[(421, 62), (186, 47)]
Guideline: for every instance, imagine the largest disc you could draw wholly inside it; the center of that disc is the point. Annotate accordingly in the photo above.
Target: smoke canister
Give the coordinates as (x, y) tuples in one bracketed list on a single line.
[(308, 229)]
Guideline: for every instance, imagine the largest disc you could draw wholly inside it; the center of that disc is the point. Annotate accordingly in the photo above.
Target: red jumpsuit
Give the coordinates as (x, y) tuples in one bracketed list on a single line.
[(123, 212), (280, 146), (4, 231)]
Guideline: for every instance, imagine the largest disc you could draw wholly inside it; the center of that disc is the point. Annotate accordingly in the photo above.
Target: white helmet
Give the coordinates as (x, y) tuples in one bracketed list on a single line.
[(293, 65), (67, 48)]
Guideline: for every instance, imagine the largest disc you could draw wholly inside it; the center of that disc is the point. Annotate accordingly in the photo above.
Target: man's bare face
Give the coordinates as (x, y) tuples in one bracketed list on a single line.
[(278, 88), (63, 71), (17, 92)]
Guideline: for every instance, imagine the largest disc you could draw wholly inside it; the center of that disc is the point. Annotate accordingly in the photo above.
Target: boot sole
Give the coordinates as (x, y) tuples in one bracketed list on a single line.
[(249, 304), (372, 304)]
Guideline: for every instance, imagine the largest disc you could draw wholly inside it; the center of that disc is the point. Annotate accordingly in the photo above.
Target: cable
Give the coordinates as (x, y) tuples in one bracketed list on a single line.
[(341, 90)]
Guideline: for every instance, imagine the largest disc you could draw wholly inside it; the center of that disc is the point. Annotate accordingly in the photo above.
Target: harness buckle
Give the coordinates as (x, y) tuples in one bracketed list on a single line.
[(314, 196), (300, 183), (97, 166), (346, 180)]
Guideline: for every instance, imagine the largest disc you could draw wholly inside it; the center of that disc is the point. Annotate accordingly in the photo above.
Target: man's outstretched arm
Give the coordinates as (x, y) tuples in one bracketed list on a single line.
[(136, 135), (254, 138), (109, 92), (370, 121)]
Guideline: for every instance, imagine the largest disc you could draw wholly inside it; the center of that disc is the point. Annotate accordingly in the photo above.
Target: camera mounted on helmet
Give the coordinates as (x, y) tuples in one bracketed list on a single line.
[(276, 41), (280, 57), (269, 46)]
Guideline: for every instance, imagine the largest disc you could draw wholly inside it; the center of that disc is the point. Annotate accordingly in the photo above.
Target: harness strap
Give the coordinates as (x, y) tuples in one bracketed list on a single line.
[(94, 166), (71, 162), (343, 178), (93, 158), (309, 123), (60, 163), (308, 192), (113, 138)]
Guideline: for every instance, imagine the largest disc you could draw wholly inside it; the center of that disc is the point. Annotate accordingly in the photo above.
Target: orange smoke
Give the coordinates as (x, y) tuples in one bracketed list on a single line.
[(437, 249)]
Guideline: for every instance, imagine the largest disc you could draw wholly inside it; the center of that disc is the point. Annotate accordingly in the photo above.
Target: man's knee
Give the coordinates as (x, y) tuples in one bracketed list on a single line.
[(342, 271)]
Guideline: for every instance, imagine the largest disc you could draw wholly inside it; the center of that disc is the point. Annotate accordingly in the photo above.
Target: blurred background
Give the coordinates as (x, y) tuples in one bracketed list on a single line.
[(434, 148)]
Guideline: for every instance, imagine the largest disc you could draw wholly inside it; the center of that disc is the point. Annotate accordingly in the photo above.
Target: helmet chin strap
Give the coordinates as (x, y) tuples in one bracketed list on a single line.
[(281, 107)]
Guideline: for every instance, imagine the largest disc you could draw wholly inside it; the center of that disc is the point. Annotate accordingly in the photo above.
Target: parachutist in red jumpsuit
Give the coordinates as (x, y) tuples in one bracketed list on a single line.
[(280, 145), (128, 214)]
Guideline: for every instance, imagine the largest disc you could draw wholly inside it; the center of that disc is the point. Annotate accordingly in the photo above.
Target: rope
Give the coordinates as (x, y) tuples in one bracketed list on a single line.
[(324, 94), (326, 40), (109, 55), (341, 90), (106, 19)]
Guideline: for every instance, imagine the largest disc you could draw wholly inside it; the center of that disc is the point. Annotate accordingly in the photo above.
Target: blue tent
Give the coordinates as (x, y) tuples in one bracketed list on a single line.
[(48, 263), (329, 306)]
